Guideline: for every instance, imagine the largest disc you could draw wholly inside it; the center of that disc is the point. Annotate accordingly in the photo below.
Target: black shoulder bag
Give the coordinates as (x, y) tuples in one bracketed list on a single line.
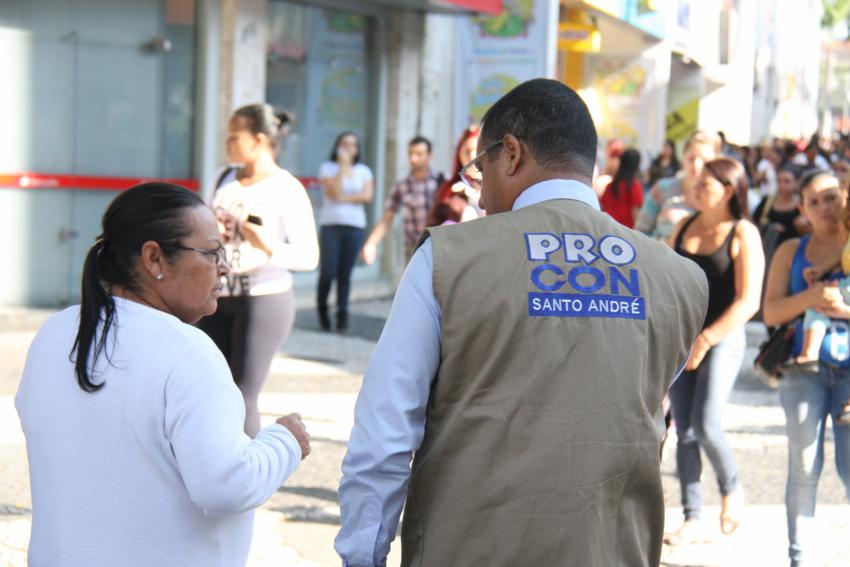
[(772, 353), (775, 350)]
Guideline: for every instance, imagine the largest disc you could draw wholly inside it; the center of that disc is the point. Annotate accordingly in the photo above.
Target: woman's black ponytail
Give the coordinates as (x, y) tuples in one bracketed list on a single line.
[(147, 212), (96, 305)]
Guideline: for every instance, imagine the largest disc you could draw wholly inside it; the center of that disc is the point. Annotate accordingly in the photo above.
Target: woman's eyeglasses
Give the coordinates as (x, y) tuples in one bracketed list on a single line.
[(218, 254)]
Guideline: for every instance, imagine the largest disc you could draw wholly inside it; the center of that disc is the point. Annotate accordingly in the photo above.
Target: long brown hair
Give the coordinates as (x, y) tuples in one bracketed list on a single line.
[(731, 173)]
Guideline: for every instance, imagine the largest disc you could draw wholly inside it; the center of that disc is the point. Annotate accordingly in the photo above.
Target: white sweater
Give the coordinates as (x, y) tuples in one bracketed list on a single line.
[(153, 469), (288, 224)]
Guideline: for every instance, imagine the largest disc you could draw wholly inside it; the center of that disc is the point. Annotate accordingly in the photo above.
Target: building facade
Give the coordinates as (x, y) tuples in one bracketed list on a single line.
[(103, 94)]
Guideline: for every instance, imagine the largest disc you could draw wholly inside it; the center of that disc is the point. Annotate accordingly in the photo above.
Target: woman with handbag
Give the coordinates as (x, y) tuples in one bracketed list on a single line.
[(719, 239), (808, 398)]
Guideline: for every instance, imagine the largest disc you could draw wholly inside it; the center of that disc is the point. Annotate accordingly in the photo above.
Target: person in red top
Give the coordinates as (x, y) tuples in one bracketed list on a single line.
[(454, 201), (623, 197)]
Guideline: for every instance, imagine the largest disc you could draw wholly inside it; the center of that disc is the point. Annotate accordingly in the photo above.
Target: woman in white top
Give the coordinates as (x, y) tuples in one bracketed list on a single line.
[(136, 451), (268, 230), (348, 185)]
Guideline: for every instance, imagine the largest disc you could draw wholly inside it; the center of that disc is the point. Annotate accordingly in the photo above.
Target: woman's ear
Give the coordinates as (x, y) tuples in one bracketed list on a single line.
[(152, 260), (262, 139)]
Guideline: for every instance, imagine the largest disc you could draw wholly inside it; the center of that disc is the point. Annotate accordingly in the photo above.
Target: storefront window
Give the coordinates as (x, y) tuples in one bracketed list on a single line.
[(318, 67)]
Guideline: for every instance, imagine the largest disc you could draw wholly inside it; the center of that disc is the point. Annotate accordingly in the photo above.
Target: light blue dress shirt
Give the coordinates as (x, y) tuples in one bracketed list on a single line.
[(389, 417)]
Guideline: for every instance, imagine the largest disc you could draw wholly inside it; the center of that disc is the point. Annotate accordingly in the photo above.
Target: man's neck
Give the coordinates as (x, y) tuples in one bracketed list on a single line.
[(555, 176), (420, 174), (533, 180)]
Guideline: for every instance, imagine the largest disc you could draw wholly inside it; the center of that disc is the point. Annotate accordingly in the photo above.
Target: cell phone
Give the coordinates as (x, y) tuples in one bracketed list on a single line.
[(254, 219)]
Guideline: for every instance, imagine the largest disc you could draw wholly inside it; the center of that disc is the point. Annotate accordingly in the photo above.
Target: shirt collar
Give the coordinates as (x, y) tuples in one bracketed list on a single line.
[(412, 179), (557, 189)]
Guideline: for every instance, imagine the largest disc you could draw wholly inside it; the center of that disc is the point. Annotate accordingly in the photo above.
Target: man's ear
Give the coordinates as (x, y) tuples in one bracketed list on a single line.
[(515, 153)]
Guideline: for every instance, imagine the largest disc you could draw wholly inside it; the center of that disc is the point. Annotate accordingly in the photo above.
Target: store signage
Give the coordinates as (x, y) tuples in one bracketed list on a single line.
[(498, 52), (682, 122), (29, 180), (482, 6), (577, 37)]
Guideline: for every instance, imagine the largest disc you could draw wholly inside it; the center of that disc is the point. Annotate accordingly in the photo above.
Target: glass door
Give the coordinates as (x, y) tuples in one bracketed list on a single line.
[(320, 66)]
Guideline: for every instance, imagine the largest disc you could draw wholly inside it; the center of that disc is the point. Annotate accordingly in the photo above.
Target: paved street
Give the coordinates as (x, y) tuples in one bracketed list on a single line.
[(319, 375)]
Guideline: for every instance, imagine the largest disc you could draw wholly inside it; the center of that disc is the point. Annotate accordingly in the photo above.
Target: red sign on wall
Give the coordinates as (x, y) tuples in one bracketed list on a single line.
[(29, 180), (483, 6)]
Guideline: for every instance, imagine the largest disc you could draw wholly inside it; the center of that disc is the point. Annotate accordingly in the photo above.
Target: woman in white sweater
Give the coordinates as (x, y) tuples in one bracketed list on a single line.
[(135, 441), (268, 230)]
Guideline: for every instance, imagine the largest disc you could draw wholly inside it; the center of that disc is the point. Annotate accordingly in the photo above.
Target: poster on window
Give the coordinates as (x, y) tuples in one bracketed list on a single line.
[(496, 53), (335, 99), (617, 94)]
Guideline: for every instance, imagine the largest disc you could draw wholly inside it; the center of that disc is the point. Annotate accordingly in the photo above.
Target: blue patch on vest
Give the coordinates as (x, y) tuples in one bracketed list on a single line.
[(590, 305), (554, 272)]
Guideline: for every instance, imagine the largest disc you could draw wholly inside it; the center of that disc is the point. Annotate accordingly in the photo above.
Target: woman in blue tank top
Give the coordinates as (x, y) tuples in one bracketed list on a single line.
[(809, 397)]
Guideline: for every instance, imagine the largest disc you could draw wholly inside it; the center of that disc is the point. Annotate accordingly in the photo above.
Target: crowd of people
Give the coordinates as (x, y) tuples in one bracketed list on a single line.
[(185, 303), (765, 223)]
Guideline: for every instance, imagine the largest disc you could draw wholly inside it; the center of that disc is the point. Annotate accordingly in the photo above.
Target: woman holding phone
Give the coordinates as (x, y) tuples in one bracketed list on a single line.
[(267, 227), (348, 185)]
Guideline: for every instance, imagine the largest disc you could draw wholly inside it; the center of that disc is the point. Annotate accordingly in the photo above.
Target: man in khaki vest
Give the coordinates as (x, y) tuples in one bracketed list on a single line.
[(523, 367)]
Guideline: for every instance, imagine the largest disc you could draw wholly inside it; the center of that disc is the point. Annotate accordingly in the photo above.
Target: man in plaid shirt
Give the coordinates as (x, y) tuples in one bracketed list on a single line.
[(414, 194)]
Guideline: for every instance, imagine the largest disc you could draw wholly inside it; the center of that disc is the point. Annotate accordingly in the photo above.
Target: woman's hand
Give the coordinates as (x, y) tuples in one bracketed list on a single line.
[(699, 349), (228, 225), (812, 275), (344, 158), (295, 426), (830, 302), (333, 187), (253, 233), (802, 225)]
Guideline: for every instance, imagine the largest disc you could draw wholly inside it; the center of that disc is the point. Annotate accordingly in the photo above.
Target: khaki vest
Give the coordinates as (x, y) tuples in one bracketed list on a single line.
[(561, 331)]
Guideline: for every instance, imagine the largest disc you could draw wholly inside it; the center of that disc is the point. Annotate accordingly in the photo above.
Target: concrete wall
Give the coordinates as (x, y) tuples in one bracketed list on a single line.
[(242, 60), (439, 54), (419, 101)]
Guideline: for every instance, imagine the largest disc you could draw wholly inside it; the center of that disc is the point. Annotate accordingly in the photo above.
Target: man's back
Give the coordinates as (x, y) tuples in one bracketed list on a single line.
[(561, 331)]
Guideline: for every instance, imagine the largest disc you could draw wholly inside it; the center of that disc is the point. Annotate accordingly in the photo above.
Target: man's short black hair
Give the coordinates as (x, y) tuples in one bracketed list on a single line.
[(553, 122), (420, 140)]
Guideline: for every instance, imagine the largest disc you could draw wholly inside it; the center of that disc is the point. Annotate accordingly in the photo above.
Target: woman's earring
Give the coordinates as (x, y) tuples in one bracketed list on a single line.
[(159, 276)]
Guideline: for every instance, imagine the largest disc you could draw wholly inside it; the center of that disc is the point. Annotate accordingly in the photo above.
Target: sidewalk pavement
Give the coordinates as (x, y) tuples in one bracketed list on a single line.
[(318, 374)]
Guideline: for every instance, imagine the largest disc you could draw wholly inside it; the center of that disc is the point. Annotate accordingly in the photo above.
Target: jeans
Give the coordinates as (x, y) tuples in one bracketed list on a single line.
[(340, 245), (697, 399), (807, 400)]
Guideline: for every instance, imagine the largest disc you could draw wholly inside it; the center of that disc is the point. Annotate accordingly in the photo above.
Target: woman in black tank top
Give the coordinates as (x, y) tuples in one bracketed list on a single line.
[(721, 240)]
